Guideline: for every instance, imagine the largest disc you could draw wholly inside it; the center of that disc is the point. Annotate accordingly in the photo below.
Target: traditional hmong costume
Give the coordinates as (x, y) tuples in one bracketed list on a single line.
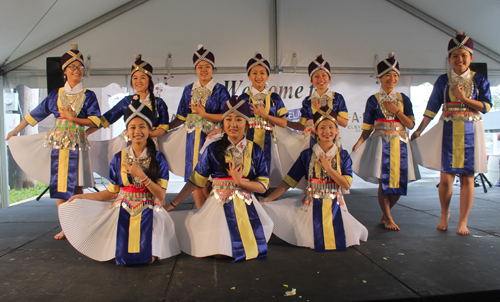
[(103, 151), (195, 130), (459, 135), (231, 222), (133, 228), (320, 220), (161, 117), (261, 131), (67, 159), (386, 155), (329, 98)]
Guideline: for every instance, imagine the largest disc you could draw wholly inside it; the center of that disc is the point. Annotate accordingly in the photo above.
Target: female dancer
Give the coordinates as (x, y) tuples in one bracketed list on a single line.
[(268, 111), (389, 113), (141, 80), (320, 220), (134, 228), (459, 135), (73, 107), (320, 75), (231, 222), (200, 109)]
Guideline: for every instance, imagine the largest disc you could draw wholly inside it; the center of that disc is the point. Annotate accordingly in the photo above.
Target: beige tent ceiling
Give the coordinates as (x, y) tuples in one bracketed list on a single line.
[(288, 32)]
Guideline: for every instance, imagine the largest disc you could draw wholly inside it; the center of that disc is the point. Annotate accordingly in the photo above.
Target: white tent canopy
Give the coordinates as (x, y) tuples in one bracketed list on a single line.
[(348, 33)]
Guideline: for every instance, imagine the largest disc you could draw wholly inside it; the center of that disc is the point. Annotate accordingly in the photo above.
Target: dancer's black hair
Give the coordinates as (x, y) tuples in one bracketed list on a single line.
[(153, 170)]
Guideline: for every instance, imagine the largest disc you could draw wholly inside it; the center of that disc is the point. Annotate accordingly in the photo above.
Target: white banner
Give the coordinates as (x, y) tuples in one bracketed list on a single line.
[(293, 89)]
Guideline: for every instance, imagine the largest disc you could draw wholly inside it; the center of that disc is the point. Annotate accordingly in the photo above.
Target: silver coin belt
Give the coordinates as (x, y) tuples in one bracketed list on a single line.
[(458, 111), (195, 121), (389, 130), (225, 190), (143, 203), (66, 135)]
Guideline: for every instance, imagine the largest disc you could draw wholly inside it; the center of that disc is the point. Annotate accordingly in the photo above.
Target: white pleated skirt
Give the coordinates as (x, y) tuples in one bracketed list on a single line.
[(276, 170), (173, 146), (428, 148), (34, 159), (90, 226), (367, 161), (295, 226), (290, 144), (204, 232)]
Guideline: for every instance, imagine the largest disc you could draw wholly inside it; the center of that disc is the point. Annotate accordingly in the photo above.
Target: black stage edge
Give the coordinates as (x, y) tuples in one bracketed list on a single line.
[(418, 263)]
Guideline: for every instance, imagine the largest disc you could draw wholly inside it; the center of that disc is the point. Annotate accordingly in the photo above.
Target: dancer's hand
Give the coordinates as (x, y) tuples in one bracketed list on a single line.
[(77, 196), (415, 135), (214, 132), (391, 107), (235, 172), (134, 169), (259, 109), (267, 199), (67, 113), (168, 207), (316, 104), (11, 134), (198, 108), (326, 162), (356, 145), (459, 92)]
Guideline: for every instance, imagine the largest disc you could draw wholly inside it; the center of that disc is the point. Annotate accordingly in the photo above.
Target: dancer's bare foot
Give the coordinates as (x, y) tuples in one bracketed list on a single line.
[(390, 225), (153, 260), (60, 236), (462, 229), (382, 219), (443, 223)]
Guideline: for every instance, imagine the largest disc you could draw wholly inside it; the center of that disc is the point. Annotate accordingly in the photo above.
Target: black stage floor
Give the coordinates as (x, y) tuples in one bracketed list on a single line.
[(418, 263)]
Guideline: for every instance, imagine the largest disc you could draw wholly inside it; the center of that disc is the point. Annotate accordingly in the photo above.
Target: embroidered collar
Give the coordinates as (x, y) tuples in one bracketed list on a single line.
[(132, 155), (210, 86), (146, 101), (328, 93), (464, 75), (77, 89), (255, 91), (318, 151), (391, 95), (239, 146)]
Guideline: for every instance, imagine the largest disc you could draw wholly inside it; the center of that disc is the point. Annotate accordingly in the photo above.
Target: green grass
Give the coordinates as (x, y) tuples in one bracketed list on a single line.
[(18, 195)]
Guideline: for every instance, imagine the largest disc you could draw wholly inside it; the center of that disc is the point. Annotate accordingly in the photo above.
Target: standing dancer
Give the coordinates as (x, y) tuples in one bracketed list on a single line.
[(231, 222), (141, 80), (320, 75), (459, 135), (134, 228), (268, 111), (320, 220), (200, 110), (386, 157), (73, 107)]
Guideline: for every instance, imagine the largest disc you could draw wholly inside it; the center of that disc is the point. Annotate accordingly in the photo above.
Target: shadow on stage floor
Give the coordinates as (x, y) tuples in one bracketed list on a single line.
[(418, 263)]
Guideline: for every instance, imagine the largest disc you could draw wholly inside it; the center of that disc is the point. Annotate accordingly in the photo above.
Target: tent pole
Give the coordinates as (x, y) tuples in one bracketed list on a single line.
[(4, 190), (275, 11)]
